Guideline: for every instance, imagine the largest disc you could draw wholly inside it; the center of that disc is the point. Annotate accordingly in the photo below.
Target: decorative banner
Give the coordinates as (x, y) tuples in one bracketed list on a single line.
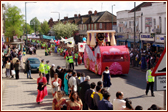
[(148, 22), (81, 47)]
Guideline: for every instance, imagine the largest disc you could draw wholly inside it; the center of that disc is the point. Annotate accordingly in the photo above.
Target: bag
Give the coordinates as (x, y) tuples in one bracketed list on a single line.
[(139, 62), (13, 72), (40, 88)]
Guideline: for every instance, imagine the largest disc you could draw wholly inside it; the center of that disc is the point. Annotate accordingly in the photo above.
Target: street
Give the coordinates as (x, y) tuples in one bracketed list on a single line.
[(133, 85)]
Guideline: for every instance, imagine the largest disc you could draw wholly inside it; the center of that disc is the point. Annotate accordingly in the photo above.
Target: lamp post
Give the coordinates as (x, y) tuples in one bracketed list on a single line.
[(58, 13), (26, 19), (112, 15)]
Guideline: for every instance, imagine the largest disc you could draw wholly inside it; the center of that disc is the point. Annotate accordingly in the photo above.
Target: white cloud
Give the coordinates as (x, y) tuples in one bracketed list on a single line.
[(42, 10)]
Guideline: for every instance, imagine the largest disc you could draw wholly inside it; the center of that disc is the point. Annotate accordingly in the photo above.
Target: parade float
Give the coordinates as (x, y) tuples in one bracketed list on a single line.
[(101, 51)]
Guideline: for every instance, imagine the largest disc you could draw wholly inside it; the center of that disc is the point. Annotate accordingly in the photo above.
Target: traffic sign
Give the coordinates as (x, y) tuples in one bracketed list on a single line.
[(161, 83), (160, 68)]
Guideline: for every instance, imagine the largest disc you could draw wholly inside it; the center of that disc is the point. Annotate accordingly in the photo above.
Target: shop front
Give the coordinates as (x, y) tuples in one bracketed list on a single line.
[(130, 41), (147, 41), (159, 42), (121, 39)]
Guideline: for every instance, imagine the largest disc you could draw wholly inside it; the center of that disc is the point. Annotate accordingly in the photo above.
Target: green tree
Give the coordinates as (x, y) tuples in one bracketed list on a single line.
[(45, 28), (64, 30), (35, 24), (29, 29), (13, 22)]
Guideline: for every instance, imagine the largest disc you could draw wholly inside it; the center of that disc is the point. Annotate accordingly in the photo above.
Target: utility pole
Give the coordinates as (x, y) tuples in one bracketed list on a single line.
[(134, 24), (112, 16)]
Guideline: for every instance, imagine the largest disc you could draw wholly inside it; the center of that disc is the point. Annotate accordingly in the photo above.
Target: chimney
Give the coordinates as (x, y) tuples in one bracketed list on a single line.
[(75, 15), (90, 12), (66, 18), (78, 15), (95, 12)]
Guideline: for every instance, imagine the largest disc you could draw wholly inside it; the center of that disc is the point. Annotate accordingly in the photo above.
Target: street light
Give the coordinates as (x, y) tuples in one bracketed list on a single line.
[(26, 19), (58, 13), (112, 15)]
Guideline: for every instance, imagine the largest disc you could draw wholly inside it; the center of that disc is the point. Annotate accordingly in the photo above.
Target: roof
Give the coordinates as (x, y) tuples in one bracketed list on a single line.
[(144, 4)]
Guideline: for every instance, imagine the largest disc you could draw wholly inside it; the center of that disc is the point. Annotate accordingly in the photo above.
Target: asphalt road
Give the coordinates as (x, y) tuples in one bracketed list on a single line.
[(133, 85)]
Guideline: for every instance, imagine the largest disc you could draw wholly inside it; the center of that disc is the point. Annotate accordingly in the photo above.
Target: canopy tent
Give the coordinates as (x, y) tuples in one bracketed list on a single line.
[(48, 37), (70, 41)]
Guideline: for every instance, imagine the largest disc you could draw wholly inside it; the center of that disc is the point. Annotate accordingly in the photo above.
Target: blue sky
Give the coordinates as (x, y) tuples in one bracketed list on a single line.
[(42, 10)]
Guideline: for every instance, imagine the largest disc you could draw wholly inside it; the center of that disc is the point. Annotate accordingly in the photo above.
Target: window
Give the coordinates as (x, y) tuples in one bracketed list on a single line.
[(165, 25), (95, 27), (154, 23), (129, 23), (100, 25), (85, 27), (160, 24), (88, 26), (34, 61), (115, 58), (91, 26)]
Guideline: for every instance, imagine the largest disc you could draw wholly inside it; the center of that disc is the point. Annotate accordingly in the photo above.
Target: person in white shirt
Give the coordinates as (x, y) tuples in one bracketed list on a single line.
[(119, 103), (72, 82)]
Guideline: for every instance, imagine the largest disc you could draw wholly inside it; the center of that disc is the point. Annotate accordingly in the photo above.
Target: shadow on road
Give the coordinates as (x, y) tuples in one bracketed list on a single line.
[(90, 73), (140, 96)]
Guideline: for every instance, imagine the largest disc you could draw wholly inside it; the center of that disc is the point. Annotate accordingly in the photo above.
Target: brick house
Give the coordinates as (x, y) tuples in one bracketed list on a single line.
[(90, 21)]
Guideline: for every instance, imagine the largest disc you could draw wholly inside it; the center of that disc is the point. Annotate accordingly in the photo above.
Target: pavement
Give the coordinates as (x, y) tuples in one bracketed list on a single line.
[(21, 94)]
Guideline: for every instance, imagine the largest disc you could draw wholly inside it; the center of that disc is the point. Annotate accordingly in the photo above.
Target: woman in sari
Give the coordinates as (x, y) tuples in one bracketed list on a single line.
[(80, 55), (66, 82), (58, 101), (42, 88), (56, 84), (75, 102)]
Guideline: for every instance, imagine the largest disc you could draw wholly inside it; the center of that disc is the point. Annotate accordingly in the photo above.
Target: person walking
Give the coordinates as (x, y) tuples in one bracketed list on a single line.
[(76, 58), (71, 61), (150, 80), (28, 69), (97, 97), (41, 67), (16, 66), (84, 87), (7, 66), (47, 69), (11, 69), (119, 103), (88, 98), (75, 102), (72, 82), (67, 62), (42, 88), (52, 72), (58, 101), (106, 78), (56, 84), (105, 104)]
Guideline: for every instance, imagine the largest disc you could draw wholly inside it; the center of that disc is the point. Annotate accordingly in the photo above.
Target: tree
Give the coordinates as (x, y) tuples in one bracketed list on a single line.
[(13, 22), (45, 28), (29, 29), (64, 30), (35, 24)]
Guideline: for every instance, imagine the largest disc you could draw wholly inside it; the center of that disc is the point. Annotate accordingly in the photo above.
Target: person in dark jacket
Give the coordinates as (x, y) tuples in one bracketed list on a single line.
[(28, 69), (84, 87), (88, 98), (105, 104), (52, 72), (16, 66)]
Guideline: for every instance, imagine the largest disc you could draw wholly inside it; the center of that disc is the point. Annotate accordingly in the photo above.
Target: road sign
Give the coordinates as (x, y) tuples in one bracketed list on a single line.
[(160, 68), (161, 83)]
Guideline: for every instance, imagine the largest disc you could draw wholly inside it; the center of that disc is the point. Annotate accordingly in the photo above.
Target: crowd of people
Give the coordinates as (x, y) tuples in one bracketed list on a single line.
[(82, 94), (11, 60), (143, 59)]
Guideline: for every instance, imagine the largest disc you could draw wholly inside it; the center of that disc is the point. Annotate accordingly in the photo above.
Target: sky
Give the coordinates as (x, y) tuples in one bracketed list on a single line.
[(42, 10)]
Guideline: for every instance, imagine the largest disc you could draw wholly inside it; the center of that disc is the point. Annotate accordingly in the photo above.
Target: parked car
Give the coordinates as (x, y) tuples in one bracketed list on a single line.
[(34, 64)]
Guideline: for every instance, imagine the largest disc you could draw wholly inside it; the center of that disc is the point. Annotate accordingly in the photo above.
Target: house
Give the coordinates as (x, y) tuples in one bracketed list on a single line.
[(150, 26), (90, 21)]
